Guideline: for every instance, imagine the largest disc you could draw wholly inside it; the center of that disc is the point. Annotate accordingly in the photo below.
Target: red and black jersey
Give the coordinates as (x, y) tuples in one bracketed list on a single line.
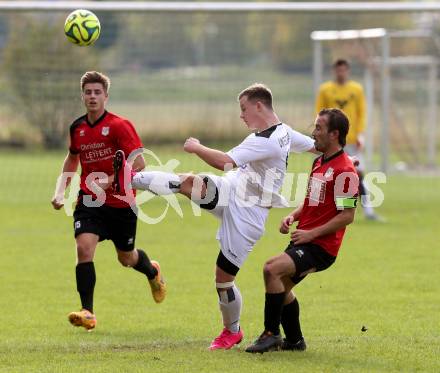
[(96, 145), (333, 186)]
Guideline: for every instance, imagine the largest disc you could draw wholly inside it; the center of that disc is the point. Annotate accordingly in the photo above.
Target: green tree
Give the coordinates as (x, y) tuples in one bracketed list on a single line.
[(42, 70)]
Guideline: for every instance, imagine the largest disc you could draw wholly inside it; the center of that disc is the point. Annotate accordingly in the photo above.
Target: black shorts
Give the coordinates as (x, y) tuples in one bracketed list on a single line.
[(109, 223), (308, 258), (224, 264), (211, 199)]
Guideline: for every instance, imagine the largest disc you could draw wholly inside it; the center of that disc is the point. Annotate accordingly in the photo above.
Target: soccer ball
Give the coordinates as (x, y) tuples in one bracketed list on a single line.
[(82, 27)]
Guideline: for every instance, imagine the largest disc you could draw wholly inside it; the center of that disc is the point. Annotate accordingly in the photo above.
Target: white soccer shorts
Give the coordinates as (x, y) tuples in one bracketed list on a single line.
[(241, 227)]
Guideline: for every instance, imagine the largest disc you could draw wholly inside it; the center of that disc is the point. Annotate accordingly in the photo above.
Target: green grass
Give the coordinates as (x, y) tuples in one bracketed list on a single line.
[(386, 278)]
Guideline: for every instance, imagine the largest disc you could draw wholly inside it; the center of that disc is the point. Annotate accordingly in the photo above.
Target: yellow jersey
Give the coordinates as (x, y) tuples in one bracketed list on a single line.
[(348, 97)]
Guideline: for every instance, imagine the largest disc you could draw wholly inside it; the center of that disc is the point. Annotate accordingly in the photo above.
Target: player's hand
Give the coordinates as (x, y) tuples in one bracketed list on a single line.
[(354, 159), (286, 223), (301, 236), (191, 145), (360, 142), (57, 202)]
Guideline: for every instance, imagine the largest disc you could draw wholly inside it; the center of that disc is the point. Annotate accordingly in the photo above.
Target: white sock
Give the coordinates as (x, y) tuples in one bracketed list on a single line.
[(230, 306), (368, 210), (157, 182), (366, 201)]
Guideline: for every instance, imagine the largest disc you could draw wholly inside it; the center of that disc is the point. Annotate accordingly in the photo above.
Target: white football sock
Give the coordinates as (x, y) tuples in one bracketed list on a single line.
[(368, 210), (366, 201), (230, 303), (157, 182)]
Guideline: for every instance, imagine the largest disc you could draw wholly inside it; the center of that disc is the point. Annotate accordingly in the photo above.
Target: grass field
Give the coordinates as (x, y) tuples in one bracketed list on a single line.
[(386, 279)]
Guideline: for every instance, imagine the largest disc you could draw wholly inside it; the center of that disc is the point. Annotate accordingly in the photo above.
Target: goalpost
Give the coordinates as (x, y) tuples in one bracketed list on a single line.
[(386, 64), (231, 6)]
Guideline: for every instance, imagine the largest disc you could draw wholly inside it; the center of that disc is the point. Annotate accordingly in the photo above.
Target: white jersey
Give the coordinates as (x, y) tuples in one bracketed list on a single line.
[(262, 162)]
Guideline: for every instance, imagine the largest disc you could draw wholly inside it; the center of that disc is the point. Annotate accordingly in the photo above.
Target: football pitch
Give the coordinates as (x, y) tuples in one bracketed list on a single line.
[(386, 280)]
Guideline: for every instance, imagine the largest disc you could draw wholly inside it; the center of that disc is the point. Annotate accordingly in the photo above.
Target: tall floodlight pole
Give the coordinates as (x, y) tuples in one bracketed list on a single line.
[(432, 121), (317, 65), (369, 97), (386, 100)]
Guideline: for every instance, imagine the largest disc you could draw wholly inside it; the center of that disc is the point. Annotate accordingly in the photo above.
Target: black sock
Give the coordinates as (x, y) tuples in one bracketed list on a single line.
[(290, 321), (144, 265), (85, 284), (272, 312)]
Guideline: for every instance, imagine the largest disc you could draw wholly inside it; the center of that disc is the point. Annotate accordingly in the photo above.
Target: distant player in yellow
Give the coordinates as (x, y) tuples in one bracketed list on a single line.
[(348, 95)]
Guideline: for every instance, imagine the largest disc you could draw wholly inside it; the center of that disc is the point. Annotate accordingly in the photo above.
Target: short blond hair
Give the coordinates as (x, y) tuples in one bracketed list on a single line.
[(95, 77), (258, 92)]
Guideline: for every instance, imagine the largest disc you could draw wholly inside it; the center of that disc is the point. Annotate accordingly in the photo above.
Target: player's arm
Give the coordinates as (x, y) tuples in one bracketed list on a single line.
[(341, 220), (290, 219), (215, 158), (301, 143), (70, 165)]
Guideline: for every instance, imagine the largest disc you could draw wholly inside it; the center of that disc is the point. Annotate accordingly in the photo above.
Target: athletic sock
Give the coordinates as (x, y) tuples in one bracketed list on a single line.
[(365, 196), (230, 303), (290, 321), (85, 284), (272, 312), (366, 205), (157, 182), (144, 265)]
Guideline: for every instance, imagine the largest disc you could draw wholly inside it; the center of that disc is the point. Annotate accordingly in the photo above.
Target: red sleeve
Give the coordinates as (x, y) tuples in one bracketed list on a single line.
[(127, 137), (346, 182)]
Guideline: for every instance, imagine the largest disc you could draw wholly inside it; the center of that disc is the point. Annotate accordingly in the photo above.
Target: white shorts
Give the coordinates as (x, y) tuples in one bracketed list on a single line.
[(241, 227)]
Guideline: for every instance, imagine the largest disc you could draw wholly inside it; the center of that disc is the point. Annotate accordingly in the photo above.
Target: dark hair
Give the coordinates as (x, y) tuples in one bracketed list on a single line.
[(337, 121), (341, 62), (258, 92), (95, 77)]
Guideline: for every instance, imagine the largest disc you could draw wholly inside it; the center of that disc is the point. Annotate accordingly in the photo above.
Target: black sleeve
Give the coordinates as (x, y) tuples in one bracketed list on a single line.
[(73, 126)]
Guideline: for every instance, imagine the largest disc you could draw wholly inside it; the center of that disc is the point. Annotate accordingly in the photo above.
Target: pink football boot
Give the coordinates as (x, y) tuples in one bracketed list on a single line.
[(226, 340)]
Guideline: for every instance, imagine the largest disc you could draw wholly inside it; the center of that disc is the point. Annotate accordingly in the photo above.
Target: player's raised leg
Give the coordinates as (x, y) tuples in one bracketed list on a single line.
[(162, 183), (85, 280), (157, 182)]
